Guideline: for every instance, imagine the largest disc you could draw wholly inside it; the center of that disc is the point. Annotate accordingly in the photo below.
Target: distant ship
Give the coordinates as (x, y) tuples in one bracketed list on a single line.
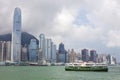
[(86, 67)]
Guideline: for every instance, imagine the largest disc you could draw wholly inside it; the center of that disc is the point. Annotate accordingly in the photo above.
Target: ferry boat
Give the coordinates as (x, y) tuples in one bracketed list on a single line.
[(86, 67)]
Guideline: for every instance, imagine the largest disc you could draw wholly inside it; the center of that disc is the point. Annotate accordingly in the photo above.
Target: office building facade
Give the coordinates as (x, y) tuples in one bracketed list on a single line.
[(62, 54), (93, 56), (33, 50), (85, 55)]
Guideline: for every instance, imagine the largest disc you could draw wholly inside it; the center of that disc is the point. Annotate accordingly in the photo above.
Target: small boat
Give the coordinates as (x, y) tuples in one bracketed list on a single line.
[(86, 67)]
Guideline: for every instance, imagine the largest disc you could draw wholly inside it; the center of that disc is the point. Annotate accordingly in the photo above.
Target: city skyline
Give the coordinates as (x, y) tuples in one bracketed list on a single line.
[(78, 24)]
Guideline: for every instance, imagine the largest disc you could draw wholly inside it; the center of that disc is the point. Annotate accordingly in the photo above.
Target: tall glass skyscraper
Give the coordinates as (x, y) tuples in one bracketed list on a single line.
[(42, 44), (16, 36), (93, 55), (53, 54), (46, 50), (85, 55), (33, 50), (49, 49), (62, 54)]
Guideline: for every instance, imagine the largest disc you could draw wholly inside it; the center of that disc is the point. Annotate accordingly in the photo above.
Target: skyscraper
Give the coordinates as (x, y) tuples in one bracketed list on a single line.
[(8, 51), (1, 50), (42, 45), (53, 54), (16, 36), (62, 54), (85, 55), (46, 50), (71, 56), (49, 49), (33, 50), (93, 55), (111, 60), (5, 51), (24, 53)]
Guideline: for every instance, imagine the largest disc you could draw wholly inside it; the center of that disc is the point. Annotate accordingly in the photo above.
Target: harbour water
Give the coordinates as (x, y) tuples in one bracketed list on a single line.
[(55, 73)]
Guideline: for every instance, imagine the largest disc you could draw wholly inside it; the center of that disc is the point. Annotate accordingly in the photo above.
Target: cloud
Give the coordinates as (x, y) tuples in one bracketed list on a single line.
[(113, 39), (107, 17)]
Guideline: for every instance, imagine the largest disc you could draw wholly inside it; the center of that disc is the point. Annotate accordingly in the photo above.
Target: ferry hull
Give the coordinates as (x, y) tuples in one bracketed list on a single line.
[(79, 68)]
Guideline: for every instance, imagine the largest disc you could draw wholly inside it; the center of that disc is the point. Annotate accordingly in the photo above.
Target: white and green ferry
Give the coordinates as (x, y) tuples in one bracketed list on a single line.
[(86, 67)]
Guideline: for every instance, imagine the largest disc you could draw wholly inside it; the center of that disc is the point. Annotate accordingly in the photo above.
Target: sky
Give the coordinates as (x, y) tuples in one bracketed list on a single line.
[(91, 24)]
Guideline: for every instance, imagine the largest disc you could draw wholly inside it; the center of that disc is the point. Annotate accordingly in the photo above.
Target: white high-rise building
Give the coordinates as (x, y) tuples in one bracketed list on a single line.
[(16, 36)]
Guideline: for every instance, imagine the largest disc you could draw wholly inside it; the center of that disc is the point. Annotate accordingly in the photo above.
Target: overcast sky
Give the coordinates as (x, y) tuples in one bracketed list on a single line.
[(92, 24)]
